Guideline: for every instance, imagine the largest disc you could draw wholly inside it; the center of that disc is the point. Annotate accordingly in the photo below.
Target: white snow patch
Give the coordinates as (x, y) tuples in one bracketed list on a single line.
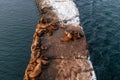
[(93, 72), (65, 9)]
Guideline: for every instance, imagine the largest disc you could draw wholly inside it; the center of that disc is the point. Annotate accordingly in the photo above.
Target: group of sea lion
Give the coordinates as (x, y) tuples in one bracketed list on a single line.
[(45, 26), (72, 35)]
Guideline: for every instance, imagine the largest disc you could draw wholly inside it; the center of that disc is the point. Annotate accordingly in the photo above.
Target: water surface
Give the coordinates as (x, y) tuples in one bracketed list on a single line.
[(17, 25), (99, 18), (101, 22)]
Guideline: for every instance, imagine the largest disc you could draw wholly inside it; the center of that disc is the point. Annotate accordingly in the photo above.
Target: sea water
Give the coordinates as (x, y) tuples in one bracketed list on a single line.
[(99, 18), (18, 19), (101, 22)]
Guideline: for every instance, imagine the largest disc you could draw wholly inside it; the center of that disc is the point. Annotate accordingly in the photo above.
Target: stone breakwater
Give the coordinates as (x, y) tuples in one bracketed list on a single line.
[(59, 48)]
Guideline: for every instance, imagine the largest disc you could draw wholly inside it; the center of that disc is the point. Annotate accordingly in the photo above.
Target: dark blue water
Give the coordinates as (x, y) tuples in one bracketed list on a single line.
[(17, 25), (99, 18), (101, 22)]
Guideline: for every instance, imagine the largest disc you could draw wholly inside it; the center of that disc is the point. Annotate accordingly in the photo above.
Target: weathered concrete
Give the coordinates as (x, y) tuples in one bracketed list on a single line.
[(59, 48)]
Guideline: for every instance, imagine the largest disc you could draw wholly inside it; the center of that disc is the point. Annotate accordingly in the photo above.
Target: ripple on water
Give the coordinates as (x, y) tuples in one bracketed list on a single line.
[(99, 18), (17, 25), (101, 25)]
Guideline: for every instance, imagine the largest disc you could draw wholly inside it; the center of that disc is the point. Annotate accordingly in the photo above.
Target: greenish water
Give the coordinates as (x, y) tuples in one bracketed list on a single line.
[(99, 18)]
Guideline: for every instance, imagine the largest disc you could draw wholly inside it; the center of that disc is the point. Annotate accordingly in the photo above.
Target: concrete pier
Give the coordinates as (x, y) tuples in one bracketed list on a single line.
[(59, 50)]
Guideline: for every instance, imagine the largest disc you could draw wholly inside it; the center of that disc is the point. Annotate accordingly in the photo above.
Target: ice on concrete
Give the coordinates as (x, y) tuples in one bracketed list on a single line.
[(65, 9)]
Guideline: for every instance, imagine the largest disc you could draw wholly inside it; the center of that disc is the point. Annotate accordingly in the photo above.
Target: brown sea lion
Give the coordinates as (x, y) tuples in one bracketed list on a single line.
[(26, 77), (36, 40), (36, 53), (36, 71), (34, 47), (67, 38), (43, 47), (35, 34), (43, 61), (41, 26), (76, 36), (41, 31), (33, 60)]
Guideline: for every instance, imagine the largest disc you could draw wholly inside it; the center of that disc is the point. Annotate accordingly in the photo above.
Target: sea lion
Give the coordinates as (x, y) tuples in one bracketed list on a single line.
[(76, 36), (34, 47), (40, 26), (26, 77), (52, 28), (36, 53), (29, 68), (36, 71), (33, 60), (43, 61), (41, 31), (43, 23), (67, 38), (43, 47), (35, 34), (36, 40)]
